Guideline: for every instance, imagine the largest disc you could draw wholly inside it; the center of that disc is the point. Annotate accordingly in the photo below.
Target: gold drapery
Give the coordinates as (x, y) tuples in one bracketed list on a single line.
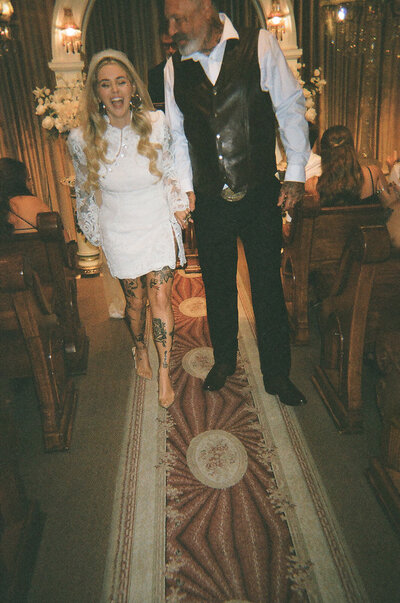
[(361, 60), (23, 68), (133, 26), (129, 26)]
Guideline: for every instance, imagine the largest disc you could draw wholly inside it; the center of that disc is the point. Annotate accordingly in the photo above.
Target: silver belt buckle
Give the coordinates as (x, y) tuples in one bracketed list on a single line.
[(228, 194)]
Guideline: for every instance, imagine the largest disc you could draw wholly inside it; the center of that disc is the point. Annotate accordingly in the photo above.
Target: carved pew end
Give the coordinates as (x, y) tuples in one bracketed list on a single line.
[(313, 246), (384, 472), (350, 317), (383, 480), (32, 344)]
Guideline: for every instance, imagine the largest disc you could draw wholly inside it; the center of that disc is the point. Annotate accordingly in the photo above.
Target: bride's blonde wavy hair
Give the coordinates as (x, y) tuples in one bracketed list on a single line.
[(94, 125)]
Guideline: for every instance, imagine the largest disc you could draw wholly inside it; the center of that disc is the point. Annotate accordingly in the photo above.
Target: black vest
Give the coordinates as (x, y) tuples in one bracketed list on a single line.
[(230, 127)]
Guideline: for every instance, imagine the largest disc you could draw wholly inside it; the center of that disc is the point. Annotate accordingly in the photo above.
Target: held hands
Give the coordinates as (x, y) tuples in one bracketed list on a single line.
[(192, 200), (185, 216), (291, 193)]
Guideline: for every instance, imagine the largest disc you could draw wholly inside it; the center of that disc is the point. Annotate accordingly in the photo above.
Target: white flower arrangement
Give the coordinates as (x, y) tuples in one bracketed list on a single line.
[(311, 89), (59, 108)]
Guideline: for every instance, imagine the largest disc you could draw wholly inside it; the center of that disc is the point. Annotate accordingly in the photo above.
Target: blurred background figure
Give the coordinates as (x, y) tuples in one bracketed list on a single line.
[(18, 206), (156, 74), (393, 162)]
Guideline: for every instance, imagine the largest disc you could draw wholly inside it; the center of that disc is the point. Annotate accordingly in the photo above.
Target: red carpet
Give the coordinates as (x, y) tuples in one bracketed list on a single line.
[(223, 543), (218, 498)]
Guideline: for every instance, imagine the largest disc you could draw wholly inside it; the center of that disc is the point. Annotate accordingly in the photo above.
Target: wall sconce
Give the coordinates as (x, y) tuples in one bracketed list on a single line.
[(6, 12), (276, 20), (342, 13), (70, 33)]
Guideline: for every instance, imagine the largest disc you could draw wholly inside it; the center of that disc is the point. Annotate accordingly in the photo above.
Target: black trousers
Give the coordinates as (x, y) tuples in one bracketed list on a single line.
[(256, 219)]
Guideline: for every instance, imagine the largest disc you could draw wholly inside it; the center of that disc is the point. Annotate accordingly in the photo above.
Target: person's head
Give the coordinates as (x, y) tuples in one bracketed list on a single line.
[(167, 44), (111, 83), (341, 170), (192, 24), (13, 178), (337, 137)]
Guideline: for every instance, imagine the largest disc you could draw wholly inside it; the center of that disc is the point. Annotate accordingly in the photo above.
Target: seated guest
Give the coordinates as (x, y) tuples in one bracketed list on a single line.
[(344, 181), (18, 206), (393, 163), (313, 166), (156, 74)]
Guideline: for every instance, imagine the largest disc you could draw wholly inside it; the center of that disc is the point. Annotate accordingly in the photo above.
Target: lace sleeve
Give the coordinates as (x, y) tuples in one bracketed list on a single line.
[(177, 199), (87, 209)]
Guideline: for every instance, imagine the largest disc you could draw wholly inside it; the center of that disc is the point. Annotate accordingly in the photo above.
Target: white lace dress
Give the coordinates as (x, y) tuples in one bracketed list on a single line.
[(135, 223)]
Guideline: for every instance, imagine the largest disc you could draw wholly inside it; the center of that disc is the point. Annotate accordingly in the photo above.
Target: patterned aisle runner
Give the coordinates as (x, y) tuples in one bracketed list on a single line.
[(217, 498)]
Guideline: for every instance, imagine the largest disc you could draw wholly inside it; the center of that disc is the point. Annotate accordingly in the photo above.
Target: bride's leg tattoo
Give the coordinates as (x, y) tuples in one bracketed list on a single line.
[(136, 300), (160, 335), (160, 277), (159, 292)]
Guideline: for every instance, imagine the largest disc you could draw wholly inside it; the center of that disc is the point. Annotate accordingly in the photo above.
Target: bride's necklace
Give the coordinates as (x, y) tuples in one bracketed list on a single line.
[(112, 161)]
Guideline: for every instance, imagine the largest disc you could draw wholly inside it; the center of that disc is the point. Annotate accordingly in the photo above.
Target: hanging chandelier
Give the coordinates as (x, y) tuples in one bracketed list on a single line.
[(6, 29)]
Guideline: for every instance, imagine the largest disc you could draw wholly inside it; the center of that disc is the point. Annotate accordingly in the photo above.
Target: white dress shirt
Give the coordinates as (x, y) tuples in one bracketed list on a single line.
[(394, 175), (276, 78), (313, 167)]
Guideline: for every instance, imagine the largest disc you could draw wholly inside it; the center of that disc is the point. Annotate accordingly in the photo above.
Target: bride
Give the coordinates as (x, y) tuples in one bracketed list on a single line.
[(122, 150)]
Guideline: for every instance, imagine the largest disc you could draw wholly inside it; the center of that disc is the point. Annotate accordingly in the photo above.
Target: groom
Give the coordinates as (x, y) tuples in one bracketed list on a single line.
[(223, 90)]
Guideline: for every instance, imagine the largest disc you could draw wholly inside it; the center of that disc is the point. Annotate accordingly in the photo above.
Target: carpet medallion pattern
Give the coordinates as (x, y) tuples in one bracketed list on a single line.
[(217, 458), (198, 362)]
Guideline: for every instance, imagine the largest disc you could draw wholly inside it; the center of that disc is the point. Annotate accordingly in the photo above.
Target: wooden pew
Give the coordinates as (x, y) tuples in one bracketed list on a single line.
[(364, 300), (55, 263), (32, 344), (384, 471), (313, 245)]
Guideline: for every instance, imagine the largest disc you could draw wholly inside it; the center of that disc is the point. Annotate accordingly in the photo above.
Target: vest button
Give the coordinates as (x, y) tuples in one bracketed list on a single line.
[(218, 136), (215, 114), (215, 91), (220, 157)]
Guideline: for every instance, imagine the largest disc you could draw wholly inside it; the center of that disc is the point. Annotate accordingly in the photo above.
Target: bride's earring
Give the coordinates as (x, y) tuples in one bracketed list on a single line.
[(102, 108), (136, 102)]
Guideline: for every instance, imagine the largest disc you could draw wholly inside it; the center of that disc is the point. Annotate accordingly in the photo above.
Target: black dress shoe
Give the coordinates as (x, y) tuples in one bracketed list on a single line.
[(217, 376), (285, 389)]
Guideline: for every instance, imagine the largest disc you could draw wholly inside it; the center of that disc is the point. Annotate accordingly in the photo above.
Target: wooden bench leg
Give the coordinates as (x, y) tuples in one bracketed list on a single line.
[(55, 389)]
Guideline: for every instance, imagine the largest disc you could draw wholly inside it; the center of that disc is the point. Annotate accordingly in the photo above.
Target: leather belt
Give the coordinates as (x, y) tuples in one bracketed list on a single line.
[(229, 195)]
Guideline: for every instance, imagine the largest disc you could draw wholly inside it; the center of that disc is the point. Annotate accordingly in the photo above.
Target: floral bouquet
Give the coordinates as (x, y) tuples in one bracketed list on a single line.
[(311, 89), (59, 108)]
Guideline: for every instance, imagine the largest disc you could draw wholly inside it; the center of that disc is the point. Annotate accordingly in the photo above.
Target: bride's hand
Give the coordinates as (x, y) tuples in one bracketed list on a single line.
[(183, 217), (192, 200)]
